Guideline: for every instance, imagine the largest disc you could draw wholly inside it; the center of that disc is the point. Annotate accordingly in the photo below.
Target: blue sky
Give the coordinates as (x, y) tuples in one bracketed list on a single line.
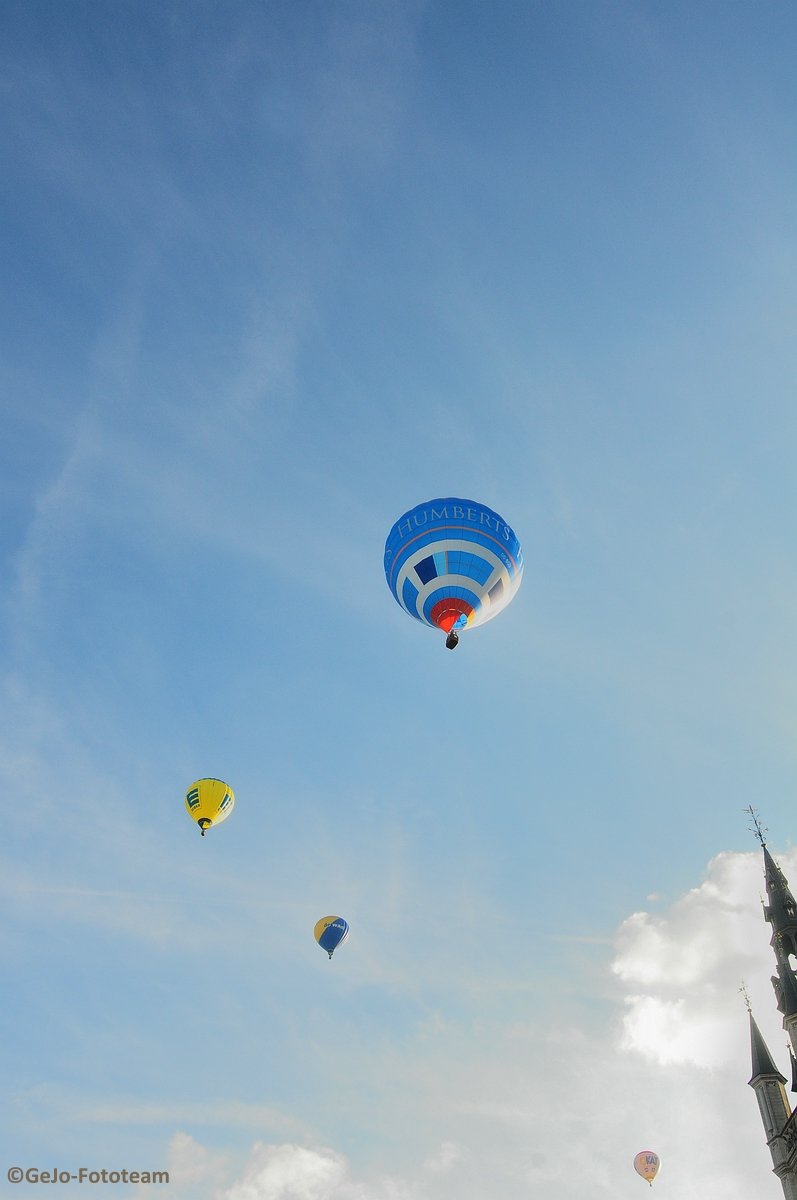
[(274, 273)]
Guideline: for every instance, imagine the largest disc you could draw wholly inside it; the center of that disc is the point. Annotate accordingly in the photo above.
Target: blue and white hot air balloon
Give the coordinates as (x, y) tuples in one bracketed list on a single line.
[(331, 932), (453, 564)]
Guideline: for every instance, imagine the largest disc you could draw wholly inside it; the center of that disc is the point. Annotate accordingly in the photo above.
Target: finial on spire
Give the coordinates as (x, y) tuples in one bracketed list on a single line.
[(756, 827), (747, 1004)]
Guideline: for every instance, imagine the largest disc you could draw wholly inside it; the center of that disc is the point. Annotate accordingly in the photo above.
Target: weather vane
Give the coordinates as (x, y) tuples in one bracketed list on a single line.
[(747, 1004), (756, 827)]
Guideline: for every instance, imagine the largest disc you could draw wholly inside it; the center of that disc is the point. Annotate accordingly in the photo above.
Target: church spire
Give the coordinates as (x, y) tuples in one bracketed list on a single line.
[(780, 1124), (773, 1104), (780, 912), (763, 1064)]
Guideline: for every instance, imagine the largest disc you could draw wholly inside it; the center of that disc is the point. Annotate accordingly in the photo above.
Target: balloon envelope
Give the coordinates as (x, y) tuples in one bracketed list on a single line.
[(452, 564), (647, 1165), (209, 802), (330, 932)]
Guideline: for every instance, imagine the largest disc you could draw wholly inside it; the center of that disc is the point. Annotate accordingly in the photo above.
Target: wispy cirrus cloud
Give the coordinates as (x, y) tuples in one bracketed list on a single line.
[(52, 1102)]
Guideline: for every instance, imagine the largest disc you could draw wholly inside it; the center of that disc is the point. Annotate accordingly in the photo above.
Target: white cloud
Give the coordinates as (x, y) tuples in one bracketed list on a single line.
[(443, 1158), (290, 1172), (193, 1164), (676, 1032), (682, 969)]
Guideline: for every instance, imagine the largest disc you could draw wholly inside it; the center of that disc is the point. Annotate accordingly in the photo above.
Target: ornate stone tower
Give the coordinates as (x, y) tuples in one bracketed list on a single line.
[(780, 1123), (776, 1114), (781, 913)]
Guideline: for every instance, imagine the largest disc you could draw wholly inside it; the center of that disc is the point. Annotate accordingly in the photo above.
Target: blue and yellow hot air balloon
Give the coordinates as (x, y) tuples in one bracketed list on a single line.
[(331, 932), (209, 802), (453, 564), (647, 1164)]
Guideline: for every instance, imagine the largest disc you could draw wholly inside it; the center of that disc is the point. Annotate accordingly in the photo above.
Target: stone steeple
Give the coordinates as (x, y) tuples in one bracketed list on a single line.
[(781, 913), (773, 1104), (763, 1063), (780, 1123)]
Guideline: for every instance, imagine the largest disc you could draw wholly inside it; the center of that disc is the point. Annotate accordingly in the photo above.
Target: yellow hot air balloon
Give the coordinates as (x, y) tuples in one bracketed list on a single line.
[(647, 1165), (209, 801)]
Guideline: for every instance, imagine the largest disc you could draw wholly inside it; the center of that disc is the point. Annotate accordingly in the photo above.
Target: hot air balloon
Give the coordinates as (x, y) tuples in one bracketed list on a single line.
[(452, 564), (331, 932), (647, 1165), (209, 801)]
